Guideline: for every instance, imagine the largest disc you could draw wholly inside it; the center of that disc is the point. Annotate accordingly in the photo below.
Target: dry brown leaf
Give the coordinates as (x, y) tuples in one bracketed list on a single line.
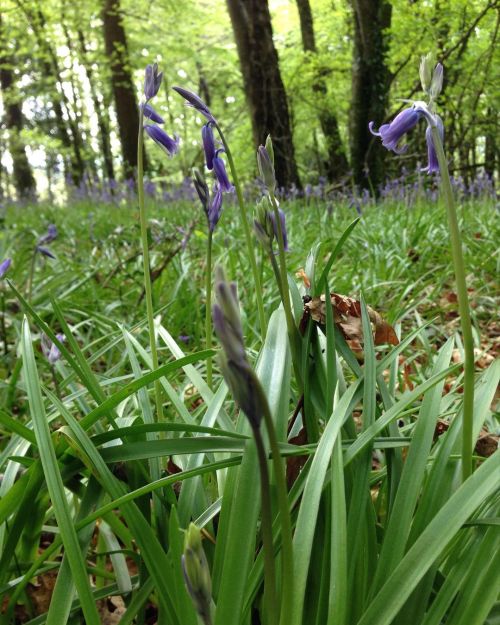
[(303, 276), (347, 316)]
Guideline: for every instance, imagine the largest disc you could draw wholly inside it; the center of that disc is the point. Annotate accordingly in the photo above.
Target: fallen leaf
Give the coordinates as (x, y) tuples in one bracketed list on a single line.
[(303, 276)]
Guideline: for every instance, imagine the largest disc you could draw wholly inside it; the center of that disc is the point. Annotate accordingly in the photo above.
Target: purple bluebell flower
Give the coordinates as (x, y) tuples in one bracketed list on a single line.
[(152, 81), (169, 145), (433, 164), (392, 133), (50, 349), (5, 266), (207, 135), (283, 227), (221, 174), (215, 208), (44, 251), (50, 235), (150, 113), (196, 102)]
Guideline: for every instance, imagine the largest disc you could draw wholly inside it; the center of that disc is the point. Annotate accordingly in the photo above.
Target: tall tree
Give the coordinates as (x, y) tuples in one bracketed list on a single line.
[(122, 84), (67, 127), (24, 180), (263, 85), (336, 166), (98, 102), (370, 88)]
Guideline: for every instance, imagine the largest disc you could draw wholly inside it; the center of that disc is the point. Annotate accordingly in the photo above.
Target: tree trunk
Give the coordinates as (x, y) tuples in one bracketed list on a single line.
[(370, 88), (71, 139), (127, 113), (24, 180), (263, 85), (102, 121), (336, 166)]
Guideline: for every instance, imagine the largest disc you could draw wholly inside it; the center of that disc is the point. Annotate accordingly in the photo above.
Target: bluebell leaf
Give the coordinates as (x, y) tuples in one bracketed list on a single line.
[(5, 266), (221, 174), (207, 136), (162, 139), (151, 114), (152, 81), (196, 102), (392, 133)]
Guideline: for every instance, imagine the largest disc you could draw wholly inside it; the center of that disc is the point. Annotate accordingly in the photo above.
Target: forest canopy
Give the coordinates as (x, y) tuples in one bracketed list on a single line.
[(312, 73)]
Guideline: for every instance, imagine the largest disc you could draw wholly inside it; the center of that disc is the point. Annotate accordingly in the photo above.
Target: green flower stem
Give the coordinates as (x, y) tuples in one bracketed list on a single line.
[(145, 257), (293, 333), (270, 599), (248, 236), (287, 581), (31, 276), (208, 312), (463, 308)]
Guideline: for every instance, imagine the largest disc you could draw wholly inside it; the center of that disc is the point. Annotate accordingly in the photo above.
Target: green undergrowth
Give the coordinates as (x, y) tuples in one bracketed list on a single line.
[(98, 492)]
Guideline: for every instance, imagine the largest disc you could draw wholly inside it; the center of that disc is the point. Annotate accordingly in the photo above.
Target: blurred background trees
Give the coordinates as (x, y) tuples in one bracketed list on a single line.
[(313, 73)]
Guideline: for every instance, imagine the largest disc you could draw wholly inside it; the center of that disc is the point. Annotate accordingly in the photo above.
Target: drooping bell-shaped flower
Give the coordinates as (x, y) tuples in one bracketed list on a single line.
[(392, 133), (432, 159), (169, 145), (49, 236), (282, 217), (152, 81), (207, 136), (221, 174), (149, 112), (5, 266), (215, 208), (196, 102)]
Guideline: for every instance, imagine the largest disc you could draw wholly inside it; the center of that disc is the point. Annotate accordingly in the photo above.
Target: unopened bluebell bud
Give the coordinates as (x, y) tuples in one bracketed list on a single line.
[(425, 70), (437, 81), (238, 374), (270, 149), (263, 225), (152, 81), (201, 188), (266, 168), (5, 266), (197, 573)]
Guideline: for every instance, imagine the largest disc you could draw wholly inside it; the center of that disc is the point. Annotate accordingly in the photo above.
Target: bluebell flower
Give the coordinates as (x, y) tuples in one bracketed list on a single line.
[(5, 266), (49, 349), (215, 208), (207, 135), (150, 113), (282, 217), (152, 81), (196, 102), (433, 164), (44, 251), (50, 235), (392, 133), (169, 145), (221, 174), (201, 189)]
